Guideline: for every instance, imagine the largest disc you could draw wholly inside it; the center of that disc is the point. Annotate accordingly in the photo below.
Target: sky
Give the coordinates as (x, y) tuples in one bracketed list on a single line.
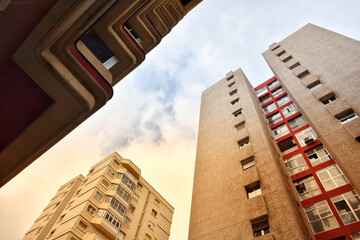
[(153, 116)]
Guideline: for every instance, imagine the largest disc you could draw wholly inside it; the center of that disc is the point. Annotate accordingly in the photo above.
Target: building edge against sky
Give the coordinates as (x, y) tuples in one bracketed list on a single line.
[(282, 161), (60, 65), (112, 202)]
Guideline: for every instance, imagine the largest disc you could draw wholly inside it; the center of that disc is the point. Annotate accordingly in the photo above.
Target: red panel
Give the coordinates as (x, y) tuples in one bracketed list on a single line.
[(22, 101)]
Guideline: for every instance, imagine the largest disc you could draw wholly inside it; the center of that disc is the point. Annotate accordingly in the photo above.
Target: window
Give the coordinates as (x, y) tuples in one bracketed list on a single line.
[(283, 100), (307, 187), (77, 192), (105, 184), (280, 131), (304, 74), (275, 118), (318, 155), (260, 227), (235, 101), (237, 113), (57, 204), (296, 164), (231, 84), (70, 204), (355, 235), (52, 232), (297, 123), (98, 196), (82, 225), (269, 108), (281, 53), (116, 163), (111, 173), (39, 230), (331, 177), (294, 66), (314, 86), (306, 137), (273, 84), (261, 91), (61, 217), (154, 213), (127, 221), (121, 235), (253, 190), (288, 145), (244, 142), (157, 202), (97, 47), (348, 206), (320, 217), (126, 181), (133, 33), (347, 117), (139, 186), (265, 99), (116, 205), (330, 99), (287, 59), (278, 92), (229, 78), (91, 209), (131, 208), (248, 163), (240, 125), (233, 92), (275, 48), (121, 192), (109, 217), (151, 225)]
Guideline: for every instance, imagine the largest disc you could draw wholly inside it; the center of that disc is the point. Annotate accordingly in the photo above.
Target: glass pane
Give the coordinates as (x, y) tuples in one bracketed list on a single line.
[(355, 235), (340, 180), (342, 207), (324, 211), (348, 218), (312, 215), (334, 172), (317, 226), (329, 184), (330, 222), (354, 202), (323, 176)]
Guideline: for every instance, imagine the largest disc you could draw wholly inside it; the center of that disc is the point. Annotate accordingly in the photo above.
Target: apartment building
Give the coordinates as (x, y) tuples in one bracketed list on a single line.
[(281, 161), (112, 202), (61, 63)]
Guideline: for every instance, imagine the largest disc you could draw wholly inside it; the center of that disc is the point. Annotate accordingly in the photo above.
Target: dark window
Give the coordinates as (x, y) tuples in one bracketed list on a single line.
[(261, 227), (185, 2), (96, 46)]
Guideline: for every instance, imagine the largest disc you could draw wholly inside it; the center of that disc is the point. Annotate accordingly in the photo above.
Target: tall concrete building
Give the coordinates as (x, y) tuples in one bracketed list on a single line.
[(282, 161), (112, 202)]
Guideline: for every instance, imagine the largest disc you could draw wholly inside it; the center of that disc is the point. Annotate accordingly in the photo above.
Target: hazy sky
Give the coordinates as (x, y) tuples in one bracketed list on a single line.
[(153, 117)]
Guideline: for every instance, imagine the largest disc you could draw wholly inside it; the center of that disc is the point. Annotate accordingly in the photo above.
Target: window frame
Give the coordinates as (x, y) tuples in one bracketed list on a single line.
[(331, 177)]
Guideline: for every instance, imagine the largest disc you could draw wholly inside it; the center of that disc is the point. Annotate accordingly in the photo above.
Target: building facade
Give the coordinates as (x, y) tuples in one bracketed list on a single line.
[(60, 65), (281, 161), (112, 202)]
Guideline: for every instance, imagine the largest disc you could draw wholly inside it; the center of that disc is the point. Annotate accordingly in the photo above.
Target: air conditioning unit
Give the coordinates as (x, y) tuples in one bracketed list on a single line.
[(309, 140)]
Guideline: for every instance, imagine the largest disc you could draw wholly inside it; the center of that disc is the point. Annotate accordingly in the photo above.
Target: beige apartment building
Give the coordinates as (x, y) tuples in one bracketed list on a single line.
[(112, 202), (282, 160)]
